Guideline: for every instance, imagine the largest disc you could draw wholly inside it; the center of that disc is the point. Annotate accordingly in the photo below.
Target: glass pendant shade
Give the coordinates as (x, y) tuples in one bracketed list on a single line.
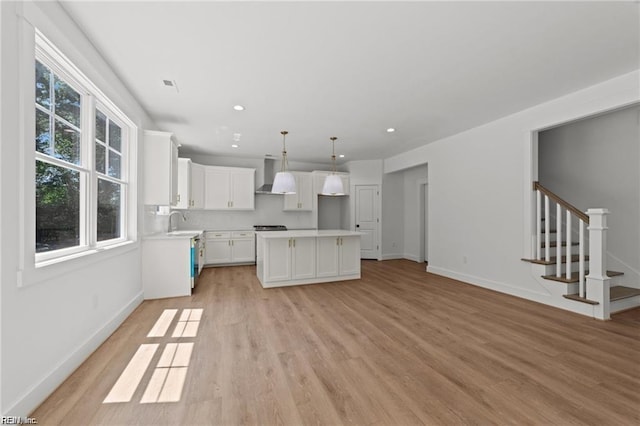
[(284, 183), (333, 185)]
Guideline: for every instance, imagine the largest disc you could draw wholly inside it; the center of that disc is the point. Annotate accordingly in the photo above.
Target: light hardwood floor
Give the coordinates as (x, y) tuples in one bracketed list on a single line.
[(399, 347)]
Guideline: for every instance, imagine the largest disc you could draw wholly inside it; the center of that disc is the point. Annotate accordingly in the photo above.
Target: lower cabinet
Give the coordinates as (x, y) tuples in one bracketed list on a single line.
[(226, 247), (284, 261), (338, 256), (290, 258)]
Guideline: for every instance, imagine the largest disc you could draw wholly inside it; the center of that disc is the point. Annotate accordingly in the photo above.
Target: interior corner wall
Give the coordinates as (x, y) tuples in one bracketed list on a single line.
[(480, 197), (414, 179), (392, 216), (49, 328), (595, 163)]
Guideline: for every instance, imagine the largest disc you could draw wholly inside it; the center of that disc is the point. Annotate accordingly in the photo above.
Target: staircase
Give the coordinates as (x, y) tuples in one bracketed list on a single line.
[(560, 246)]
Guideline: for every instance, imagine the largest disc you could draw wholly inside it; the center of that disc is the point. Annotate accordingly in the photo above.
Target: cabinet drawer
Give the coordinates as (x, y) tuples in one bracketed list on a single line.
[(242, 234), (217, 234)]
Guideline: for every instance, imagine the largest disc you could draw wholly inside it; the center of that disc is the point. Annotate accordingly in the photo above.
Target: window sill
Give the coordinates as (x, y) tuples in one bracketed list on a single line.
[(48, 269)]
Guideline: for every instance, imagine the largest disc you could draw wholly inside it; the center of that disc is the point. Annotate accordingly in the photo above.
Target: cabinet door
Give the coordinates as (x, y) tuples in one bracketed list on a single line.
[(327, 262), (305, 191), (345, 184), (277, 261), (291, 201), (242, 189), (349, 255), (243, 250), (174, 174), (184, 183), (303, 258), (217, 185), (197, 186), (218, 251)]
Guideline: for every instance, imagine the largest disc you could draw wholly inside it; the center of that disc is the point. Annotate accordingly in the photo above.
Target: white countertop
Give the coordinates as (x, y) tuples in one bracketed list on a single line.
[(174, 235), (308, 233)]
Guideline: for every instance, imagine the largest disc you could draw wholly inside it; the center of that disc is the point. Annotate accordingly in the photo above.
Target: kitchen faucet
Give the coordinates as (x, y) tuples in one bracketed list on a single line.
[(184, 218)]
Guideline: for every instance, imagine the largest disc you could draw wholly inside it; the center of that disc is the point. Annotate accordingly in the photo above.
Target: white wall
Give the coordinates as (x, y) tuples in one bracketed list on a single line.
[(392, 199), (414, 180), (480, 193), (595, 163), (50, 327)]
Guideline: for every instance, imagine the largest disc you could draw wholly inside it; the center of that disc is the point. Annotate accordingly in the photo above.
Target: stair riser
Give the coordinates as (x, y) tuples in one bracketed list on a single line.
[(563, 250), (624, 304)]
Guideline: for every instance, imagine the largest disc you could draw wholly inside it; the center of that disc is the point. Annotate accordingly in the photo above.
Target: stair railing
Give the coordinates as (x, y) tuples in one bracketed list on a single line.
[(543, 206)]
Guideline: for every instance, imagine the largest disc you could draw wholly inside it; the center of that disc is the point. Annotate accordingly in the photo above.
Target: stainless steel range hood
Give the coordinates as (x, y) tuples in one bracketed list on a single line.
[(268, 175)]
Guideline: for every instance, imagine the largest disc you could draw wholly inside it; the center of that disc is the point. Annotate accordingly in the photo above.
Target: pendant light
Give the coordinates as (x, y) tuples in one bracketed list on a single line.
[(284, 182), (333, 182)]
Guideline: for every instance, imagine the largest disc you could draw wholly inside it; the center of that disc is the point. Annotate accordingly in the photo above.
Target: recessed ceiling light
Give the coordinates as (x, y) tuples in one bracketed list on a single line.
[(391, 130), (238, 107), (341, 155), (234, 146)]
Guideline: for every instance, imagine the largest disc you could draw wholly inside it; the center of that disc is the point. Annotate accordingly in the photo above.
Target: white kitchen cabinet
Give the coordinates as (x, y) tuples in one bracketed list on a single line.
[(302, 200), (229, 247), (168, 267), (339, 255), (290, 259), (320, 176), (190, 185), (160, 168), (197, 186), (229, 188)]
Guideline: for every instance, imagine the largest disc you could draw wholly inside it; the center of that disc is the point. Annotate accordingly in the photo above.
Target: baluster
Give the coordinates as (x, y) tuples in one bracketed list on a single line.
[(558, 238), (547, 234), (568, 270), (581, 256), (538, 224)]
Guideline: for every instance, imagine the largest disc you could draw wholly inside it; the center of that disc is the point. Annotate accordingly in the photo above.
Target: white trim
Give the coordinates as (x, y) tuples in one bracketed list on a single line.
[(41, 390), (392, 256), (32, 265)]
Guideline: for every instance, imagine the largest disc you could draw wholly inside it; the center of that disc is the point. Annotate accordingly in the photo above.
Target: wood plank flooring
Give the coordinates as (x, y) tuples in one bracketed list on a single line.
[(399, 347)]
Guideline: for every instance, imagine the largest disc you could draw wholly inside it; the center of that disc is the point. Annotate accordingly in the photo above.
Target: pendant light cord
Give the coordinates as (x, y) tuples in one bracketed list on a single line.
[(285, 161), (333, 154)]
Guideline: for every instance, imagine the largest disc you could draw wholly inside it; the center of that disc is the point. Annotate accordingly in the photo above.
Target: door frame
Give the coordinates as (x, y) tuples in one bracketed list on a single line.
[(378, 208)]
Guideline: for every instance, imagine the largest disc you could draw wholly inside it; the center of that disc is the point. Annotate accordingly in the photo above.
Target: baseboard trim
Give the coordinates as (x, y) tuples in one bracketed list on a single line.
[(392, 256), (39, 392), (539, 297)]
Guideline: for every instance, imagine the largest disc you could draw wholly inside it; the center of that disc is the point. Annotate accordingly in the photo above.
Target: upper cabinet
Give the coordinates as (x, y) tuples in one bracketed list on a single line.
[(229, 188), (320, 176), (190, 185), (160, 168), (302, 200)]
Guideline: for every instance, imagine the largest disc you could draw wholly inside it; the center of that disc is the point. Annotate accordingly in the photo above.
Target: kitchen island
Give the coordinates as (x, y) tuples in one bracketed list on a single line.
[(287, 258)]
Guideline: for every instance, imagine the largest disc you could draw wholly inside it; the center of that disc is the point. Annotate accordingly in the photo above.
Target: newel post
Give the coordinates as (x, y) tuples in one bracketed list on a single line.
[(597, 280)]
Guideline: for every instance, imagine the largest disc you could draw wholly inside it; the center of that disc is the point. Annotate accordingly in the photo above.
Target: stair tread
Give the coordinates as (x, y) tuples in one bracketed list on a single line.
[(577, 298), (575, 276), (574, 258), (620, 292)]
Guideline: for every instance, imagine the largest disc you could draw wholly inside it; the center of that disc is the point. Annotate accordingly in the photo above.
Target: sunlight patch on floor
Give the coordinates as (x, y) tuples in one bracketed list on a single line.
[(129, 380), (169, 375), (162, 325)]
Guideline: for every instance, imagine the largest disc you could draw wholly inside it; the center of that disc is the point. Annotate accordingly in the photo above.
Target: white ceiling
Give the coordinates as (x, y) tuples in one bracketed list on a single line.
[(352, 69)]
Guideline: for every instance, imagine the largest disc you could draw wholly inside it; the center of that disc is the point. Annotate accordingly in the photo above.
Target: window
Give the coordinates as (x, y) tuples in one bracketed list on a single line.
[(82, 145)]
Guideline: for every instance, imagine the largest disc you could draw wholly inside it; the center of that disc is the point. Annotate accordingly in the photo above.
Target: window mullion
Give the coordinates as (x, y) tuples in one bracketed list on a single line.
[(91, 207)]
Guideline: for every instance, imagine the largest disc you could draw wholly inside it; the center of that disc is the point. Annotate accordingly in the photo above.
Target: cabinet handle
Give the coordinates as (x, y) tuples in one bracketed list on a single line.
[(229, 243), (178, 197), (289, 242), (294, 243), (340, 240), (337, 241)]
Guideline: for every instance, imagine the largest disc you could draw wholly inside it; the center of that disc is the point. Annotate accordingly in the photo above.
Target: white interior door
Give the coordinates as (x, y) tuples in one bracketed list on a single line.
[(366, 219)]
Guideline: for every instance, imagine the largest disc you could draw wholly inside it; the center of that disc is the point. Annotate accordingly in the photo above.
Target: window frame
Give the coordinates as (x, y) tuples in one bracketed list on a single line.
[(37, 267)]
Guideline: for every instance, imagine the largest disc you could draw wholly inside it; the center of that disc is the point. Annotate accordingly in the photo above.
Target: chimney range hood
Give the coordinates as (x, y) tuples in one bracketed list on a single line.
[(268, 174)]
